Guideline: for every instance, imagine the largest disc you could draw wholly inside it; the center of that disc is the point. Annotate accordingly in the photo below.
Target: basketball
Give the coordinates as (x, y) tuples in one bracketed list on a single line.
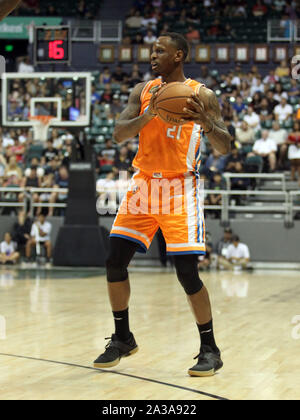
[(171, 100)]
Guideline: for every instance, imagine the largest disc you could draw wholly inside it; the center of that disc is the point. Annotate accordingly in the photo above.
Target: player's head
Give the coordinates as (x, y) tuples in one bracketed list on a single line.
[(169, 51)]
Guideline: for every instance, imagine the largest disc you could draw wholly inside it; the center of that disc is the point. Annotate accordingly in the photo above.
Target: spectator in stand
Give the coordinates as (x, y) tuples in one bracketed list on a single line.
[(21, 230), (170, 9), (192, 15), (258, 87), (256, 101), (105, 188), (235, 164), (138, 39), (271, 100), (214, 163), (105, 76), (230, 127), (279, 136), (205, 77), (264, 110), (252, 119), (122, 160), (17, 150), (245, 89), (239, 106), (134, 19), (240, 10), (8, 253), (118, 75), (280, 93), (49, 153), (25, 66), (294, 151), (192, 35), (12, 174), (149, 38), (294, 91), (61, 180), (237, 255), (271, 78), (108, 154), (217, 183), (40, 234), (28, 182), (283, 111), (215, 30), (266, 148), (95, 96), (107, 94), (46, 182), (149, 22), (259, 9), (223, 245), (117, 106)]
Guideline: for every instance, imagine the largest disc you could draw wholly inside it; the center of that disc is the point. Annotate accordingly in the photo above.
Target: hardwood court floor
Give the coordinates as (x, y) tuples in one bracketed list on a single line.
[(51, 330)]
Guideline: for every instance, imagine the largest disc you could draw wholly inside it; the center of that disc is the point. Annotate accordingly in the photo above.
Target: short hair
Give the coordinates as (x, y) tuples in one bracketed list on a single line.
[(180, 41), (235, 238)]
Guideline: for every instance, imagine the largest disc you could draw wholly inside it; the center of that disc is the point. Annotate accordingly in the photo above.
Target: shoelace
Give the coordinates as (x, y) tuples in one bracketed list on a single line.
[(200, 356), (109, 343)]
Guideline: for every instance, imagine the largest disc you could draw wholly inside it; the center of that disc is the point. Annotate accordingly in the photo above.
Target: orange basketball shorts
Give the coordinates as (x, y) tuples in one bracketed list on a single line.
[(173, 204)]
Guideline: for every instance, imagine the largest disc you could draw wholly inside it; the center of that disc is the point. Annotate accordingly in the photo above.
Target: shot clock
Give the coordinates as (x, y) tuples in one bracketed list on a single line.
[(52, 44)]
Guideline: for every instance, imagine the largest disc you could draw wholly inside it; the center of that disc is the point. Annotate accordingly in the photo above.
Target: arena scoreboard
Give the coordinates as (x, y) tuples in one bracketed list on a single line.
[(52, 44)]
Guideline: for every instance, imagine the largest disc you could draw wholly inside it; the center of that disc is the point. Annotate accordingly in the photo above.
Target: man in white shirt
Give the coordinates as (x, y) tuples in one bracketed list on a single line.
[(237, 255), (266, 148), (283, 111), (244, 134), (40, 235), (25, 66), (279, 135), (252, 119), (150, 38), (8, 254)]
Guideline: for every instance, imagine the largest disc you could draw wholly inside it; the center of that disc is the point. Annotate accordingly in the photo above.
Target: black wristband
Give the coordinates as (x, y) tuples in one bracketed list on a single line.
[(209, 131)]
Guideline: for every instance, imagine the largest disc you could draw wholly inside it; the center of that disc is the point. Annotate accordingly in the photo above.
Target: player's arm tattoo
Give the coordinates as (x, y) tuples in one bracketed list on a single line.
[(130, 123), (6, 6), (217, 132)]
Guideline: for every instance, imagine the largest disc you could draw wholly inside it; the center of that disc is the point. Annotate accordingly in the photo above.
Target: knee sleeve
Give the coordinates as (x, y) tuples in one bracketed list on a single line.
[(120, 253), (116, 271), (187, 273)]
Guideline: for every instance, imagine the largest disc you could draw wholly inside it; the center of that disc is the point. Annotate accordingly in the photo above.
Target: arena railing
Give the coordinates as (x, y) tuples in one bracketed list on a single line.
[(229, 175), (281, 30), (294, 207), (285, 207), (96, 30)]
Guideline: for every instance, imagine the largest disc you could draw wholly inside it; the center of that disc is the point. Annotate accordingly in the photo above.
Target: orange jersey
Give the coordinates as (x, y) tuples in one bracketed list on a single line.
[(167, 148)]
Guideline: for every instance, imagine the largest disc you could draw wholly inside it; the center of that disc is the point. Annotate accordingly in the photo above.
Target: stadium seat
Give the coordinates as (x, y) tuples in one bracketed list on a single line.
[(106, 168), (253, 164)]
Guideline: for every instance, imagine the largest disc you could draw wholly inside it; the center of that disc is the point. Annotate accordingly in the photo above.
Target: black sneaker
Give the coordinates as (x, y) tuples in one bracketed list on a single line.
[(208, 363), (114, 350)]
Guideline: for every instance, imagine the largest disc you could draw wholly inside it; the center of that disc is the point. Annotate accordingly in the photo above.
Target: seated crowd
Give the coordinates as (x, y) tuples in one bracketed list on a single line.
[(262, 114)]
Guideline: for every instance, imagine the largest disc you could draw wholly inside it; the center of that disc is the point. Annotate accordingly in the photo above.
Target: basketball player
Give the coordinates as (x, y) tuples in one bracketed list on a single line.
[(165, 152), (6, 6)]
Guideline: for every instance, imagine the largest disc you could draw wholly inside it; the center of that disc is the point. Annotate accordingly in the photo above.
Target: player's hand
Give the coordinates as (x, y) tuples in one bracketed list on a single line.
[(151, 108), (196, 112)]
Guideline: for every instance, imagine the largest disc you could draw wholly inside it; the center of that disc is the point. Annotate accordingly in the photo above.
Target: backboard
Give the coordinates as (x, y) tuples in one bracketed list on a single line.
[(65, 96)]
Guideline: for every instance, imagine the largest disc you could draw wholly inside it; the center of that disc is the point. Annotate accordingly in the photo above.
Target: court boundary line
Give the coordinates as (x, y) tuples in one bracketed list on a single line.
[(216, 397)]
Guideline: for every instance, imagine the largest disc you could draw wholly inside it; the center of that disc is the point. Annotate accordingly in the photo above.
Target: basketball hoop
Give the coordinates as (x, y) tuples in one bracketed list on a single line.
[(40, 125)]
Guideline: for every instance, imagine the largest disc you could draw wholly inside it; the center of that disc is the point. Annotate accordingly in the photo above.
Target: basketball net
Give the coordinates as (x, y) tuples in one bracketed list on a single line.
[(40, 125)]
